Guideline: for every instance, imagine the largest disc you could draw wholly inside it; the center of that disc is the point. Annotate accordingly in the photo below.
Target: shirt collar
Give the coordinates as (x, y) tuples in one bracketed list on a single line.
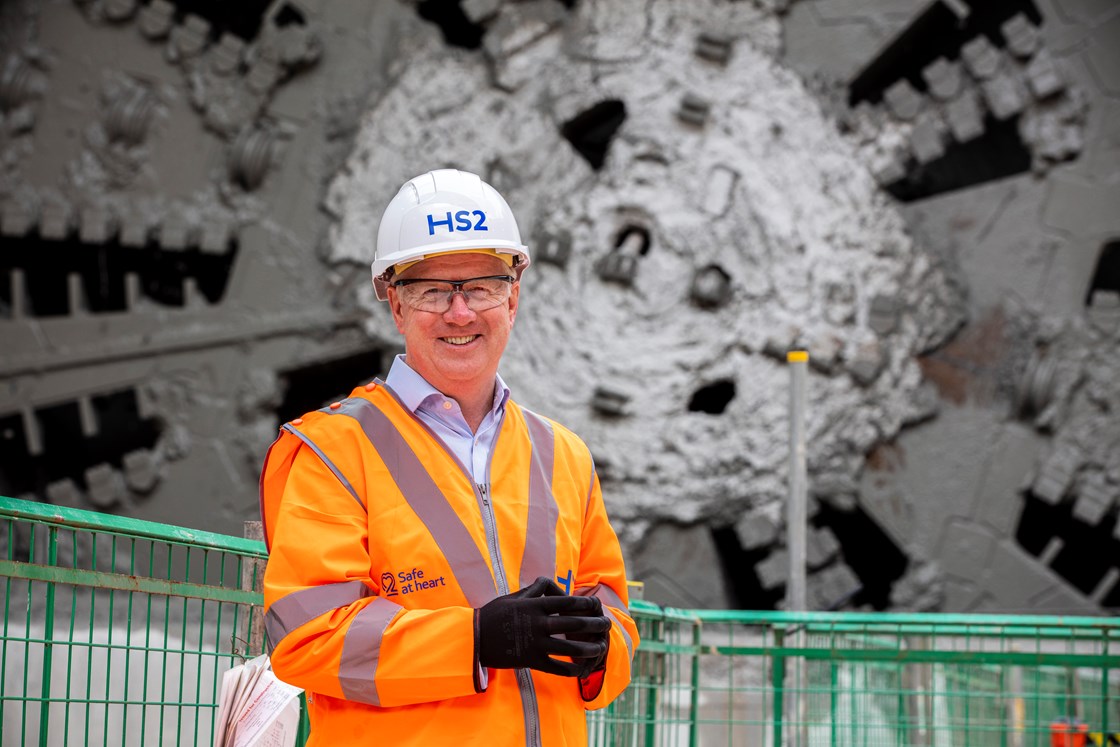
[(413, 390)]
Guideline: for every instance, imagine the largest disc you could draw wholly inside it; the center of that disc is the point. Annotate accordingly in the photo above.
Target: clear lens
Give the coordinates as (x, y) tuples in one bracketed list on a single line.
[(435, 295)]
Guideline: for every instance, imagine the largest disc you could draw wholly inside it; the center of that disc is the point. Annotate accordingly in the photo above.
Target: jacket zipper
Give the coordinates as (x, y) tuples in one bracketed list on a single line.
[(524, 677), (490, 523)]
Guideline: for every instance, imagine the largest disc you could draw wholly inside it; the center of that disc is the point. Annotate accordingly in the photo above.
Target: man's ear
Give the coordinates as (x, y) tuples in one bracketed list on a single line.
[(514, 292), (395, 308)]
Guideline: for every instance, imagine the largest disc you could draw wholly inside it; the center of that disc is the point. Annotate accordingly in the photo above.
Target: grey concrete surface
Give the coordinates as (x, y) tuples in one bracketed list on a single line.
[(962, 379)]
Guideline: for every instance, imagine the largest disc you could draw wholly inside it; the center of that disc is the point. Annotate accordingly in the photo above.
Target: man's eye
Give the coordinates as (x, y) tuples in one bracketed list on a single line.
[(431, 291)]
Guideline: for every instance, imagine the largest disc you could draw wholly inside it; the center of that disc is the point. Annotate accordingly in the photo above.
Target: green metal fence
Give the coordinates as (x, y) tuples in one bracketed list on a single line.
[(710, 677), (118, 631)]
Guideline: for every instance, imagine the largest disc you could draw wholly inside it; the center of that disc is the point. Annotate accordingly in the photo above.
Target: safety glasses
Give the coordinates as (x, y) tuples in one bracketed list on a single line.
[(425, 294)]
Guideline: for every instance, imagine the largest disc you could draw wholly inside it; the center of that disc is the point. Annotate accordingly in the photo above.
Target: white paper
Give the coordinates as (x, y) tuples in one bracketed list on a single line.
[(282, 732), (256, 709)]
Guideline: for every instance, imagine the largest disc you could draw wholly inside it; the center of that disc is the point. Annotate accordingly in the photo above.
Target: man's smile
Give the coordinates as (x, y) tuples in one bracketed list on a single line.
[(460, 340)]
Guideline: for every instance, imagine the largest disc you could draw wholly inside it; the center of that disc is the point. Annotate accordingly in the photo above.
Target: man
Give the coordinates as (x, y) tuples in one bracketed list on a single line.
[(441, 566)]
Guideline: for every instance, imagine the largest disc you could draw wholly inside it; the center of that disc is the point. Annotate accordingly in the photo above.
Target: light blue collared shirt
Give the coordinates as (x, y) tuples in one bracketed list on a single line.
[(443, 415)]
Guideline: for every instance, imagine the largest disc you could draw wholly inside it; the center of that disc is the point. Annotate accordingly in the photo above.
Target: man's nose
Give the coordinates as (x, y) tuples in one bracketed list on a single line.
[(458, 311)]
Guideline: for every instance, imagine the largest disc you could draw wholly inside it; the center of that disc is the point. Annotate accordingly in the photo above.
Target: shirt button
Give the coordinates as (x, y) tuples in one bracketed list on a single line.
[(446, 404)]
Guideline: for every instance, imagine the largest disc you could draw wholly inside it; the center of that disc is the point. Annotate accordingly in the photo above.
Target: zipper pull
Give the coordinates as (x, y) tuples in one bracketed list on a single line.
[(482, 490)]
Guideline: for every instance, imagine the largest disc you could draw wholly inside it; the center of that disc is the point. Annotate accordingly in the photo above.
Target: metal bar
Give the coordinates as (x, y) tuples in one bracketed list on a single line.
[(106, 646), (74, 518), (852, 719), (182, 659), (70, 637), (147, 639), (1104, 695), (968, 714), (796, 506), (922, 622), (128, 630), (252, 577), (833, 701), (649, 714), (166, 618), (117, 701), (121, 582), (900, 707), (201, 638), (237, 623), (694, 702), (109, 636), (214, 693), (1018, 712), (48, 644), (89, 656), (10, 548), (1056, 659), (778, 673), (27, 645)]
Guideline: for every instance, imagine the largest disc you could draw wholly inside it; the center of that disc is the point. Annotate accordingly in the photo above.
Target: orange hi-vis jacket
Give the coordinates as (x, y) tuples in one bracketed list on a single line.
[(381, 548)]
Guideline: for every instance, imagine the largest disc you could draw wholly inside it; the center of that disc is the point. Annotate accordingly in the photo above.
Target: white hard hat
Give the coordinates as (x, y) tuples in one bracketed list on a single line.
[(440, 212)]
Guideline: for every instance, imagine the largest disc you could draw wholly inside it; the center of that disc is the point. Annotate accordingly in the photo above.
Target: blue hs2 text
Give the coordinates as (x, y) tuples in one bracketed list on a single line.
[(462, 222)]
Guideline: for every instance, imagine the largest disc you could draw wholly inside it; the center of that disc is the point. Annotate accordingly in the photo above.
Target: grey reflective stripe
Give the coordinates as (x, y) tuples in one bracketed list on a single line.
[(539, 558), (590, 490), (471, 571), (625, 635), (330, 465), (361, 650), (427, 429), (300, 607), (606, 595)]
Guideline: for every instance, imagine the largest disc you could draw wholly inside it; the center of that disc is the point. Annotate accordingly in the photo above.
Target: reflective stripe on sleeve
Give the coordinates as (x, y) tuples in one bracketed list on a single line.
[(330, 465), (606, 595), (300, 607), (471, 571), (361, 651), (539, 558), (590, 490)]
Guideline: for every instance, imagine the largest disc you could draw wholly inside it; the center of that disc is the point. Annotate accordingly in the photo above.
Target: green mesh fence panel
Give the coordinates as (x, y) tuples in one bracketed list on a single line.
[(117, 632)]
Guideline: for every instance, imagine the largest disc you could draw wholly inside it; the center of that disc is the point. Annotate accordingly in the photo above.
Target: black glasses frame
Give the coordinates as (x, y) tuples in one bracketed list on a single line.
[(456, 285)]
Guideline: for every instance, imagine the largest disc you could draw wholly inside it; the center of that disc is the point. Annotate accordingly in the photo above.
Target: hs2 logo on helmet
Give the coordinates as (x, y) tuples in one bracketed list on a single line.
[(462, 222)]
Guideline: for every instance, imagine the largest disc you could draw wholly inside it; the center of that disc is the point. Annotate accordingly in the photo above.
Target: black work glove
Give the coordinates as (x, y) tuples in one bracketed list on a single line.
[(519, 630), (602, 638)]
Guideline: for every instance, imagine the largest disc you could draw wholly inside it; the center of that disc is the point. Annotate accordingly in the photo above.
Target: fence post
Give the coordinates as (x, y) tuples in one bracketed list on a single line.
[(1105, 726), (778, 674), (694, 730), (1016, 705), (658, 663), (796, 519), (916, 682), (796, 509), (252, 579), (48, 640)]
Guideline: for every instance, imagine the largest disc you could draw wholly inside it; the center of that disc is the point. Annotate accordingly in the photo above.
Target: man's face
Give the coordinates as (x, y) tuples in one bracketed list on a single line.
[(459, 349)]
